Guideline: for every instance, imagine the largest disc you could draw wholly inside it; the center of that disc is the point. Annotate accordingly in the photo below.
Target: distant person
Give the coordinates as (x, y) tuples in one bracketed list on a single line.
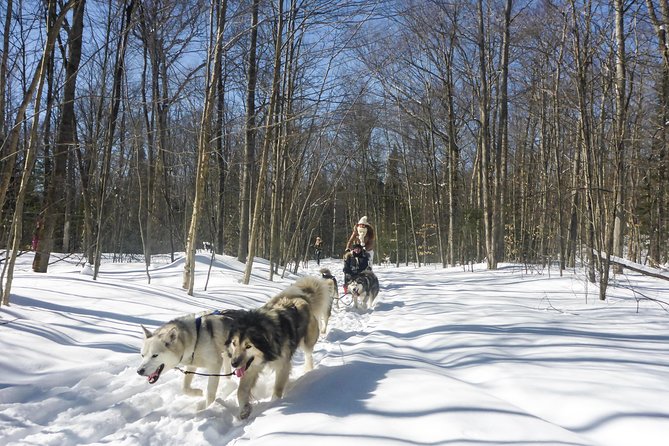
[(363, 234), (318, 248)]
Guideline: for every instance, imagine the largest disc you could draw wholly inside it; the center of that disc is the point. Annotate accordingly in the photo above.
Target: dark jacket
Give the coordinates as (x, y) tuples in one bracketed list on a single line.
[(354, 264)]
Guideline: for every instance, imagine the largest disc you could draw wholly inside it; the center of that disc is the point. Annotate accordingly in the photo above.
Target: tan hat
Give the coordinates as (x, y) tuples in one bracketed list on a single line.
[(363, 221)]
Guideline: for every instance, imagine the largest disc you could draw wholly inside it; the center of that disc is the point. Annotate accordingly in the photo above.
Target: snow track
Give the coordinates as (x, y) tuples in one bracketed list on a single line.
[(445, 357)]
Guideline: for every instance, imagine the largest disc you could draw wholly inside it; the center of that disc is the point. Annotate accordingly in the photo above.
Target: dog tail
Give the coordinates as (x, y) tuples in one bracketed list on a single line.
[(315, 291), (327, 275)]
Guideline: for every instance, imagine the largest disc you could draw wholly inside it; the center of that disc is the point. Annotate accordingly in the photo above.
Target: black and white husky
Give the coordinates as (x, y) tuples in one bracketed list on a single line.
[(268, 336), (192, 341), (364, 287)]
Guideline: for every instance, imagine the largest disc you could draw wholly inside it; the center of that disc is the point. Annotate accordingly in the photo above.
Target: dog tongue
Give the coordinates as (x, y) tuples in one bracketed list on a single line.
[(240, 372), (154, 377)]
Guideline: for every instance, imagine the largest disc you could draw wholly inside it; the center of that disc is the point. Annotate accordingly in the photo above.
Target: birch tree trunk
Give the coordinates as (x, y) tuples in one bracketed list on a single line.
[(620, 135), (204, 149)]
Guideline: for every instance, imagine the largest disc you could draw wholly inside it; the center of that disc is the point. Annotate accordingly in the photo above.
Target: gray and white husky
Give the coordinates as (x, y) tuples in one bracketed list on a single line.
[(365, 286), (193, 341), (269, 336)]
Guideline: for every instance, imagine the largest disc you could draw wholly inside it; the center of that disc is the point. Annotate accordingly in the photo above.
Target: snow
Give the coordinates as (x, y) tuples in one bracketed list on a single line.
[(446, 357)]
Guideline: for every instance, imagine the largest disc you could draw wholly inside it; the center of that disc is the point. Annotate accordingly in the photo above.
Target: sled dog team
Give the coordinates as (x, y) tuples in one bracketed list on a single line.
[(249, 341)]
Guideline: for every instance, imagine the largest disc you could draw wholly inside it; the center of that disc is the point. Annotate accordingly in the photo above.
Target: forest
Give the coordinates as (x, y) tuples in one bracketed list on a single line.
[(529, 131)]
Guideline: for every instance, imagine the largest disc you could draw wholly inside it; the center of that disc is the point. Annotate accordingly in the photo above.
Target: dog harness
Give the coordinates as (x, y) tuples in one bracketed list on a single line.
[(198, 324)]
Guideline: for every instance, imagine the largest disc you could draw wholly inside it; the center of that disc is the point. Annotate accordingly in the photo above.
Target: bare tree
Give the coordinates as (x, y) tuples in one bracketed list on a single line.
[(582, 50), (114, 105), (54, 204), (250, 139), (485, 144), (661, 148), (54, 23), (502, 143), (620, 132), (4, 58), (222, 150), (271, 132), (204, 145)]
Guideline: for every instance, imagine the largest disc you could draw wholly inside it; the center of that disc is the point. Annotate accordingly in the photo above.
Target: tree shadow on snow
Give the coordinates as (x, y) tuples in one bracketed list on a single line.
[(341, 390)]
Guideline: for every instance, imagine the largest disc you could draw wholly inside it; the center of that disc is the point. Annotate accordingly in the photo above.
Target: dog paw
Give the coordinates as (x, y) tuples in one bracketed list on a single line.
[(245, 411), (202, 405), (193, 392)]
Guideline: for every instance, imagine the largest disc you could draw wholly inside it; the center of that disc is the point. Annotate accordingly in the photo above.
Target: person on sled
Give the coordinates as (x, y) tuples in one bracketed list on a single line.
[(355, 262), (363, 233)]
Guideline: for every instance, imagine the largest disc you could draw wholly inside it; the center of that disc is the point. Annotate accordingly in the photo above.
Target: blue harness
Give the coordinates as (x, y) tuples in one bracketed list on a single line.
[(198, 324)]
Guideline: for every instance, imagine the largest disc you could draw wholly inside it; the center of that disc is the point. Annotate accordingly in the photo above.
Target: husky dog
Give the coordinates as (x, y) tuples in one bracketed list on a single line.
[(365, 286), (269, 335), (193, 341), (331, 282)]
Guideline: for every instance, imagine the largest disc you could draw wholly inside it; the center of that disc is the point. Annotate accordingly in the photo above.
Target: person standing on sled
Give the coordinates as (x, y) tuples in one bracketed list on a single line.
[(355, 262), (363, 233)]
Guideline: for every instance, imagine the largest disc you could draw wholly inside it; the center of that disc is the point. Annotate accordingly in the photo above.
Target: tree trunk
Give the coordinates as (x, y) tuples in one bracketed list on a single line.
[(250, 140), (53, 210), (556, 154), (620, 134), (454, 211), (484, 115), (114, 106), (661, 151), (221, 150), (581, 48), (4, 57), (270, 130), (502, 146), (204, 151), (412, 225), (53, 28)]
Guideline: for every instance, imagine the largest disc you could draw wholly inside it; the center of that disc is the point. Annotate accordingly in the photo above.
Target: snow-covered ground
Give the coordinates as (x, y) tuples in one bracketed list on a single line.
[(447, 357)]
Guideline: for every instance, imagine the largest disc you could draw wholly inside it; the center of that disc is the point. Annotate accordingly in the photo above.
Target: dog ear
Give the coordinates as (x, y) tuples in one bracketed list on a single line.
[(172, 335), (147, 333)]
